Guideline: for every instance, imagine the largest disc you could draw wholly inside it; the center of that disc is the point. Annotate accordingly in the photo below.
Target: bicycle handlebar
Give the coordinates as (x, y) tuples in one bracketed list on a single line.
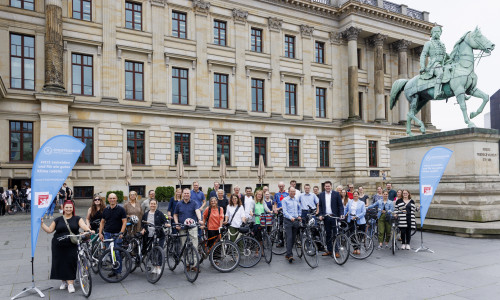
[(79, 236)]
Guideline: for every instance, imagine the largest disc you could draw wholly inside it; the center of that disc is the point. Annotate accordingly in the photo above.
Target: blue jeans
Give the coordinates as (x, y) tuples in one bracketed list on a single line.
[(50, 211), (118, 242)]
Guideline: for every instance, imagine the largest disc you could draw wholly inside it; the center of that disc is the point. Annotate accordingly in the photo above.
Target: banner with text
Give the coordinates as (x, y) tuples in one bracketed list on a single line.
[(53, 163), (431, 170)]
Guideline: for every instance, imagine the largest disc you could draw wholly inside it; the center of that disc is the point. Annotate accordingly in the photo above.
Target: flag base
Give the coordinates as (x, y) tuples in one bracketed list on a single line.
[(422, 248), (28, 289)]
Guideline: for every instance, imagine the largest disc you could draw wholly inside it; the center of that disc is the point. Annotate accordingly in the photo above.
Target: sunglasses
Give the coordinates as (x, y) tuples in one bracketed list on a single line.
[(97, 199)]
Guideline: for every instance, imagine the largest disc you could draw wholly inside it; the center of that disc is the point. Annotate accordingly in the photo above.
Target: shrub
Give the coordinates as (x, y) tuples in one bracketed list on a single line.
[(164, 193), (209, 190), (119, 195)]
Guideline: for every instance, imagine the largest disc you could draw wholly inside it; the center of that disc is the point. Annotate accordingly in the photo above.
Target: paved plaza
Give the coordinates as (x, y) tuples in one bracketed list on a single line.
[(460, 268)]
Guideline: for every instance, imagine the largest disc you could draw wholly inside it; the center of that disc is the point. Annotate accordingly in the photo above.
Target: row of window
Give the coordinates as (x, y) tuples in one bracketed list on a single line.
[(82, 10), (21, 147)]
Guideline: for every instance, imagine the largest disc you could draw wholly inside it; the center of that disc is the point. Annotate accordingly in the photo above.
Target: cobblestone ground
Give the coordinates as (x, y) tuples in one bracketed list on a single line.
[(460, 268)]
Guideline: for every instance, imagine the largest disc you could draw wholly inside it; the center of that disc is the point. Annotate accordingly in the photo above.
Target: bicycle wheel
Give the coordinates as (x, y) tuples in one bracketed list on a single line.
[(363, 243), (393, 241), (341, 246), (250, 251), (191, 263), (133, 249), (108, 267), (13, 210), (225, 256), (279, 245), (310, 251), (154, 264), (85, 276), (267, 248), (298, 245), (171, 254)]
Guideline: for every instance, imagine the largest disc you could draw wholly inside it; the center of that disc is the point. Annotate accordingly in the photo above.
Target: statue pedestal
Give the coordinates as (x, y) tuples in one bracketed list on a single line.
[(469, 190)]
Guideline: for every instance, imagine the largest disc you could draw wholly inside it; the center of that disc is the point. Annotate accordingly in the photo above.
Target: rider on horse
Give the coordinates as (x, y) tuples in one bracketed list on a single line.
[(436, 51)]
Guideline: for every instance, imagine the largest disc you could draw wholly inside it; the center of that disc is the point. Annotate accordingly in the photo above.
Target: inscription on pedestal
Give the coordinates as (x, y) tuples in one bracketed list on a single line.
[(486, 155)]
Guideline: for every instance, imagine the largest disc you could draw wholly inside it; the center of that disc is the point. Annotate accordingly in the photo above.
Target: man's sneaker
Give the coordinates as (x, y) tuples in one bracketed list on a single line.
[(63, 286), (71, 288), (290, 259)]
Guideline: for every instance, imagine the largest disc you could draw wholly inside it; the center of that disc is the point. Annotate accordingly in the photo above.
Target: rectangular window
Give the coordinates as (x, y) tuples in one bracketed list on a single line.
[(293, 153), (82, 10), (320, 102), (25, 4), (22, 62), (139, 189), (258, 95), (86, 135), (221, 90), (183, 146), (256, 40), (385, 63), (179, 25), (260, 149), (224, 147), (372, 154), (289, 46), (133, 15), (320, 52), (21, 141), (83, 192), (135, 145), (220, 32), (290, 99), (360, 101), (324, 154), (82, 75), (134, 80), (358, 54), (180, 86)]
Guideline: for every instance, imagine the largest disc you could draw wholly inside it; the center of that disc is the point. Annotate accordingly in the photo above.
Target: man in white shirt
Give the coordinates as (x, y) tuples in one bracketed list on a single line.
[(293, 184), (248, 203)]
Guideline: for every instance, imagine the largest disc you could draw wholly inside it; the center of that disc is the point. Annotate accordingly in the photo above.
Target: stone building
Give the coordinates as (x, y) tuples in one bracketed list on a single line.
[(305, 83)]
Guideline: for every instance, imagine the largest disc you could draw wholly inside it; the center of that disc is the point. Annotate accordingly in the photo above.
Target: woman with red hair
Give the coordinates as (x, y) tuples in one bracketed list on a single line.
[(64, 252)]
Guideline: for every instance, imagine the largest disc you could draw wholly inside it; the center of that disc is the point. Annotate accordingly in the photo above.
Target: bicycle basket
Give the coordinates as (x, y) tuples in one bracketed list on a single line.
[(266, 220)]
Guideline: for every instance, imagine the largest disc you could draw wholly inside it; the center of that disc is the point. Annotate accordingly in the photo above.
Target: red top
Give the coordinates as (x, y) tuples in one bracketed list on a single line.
[(216, 216)]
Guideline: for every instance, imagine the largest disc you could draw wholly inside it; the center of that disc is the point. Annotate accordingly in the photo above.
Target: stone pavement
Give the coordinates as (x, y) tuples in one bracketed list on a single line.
[(460, 268)]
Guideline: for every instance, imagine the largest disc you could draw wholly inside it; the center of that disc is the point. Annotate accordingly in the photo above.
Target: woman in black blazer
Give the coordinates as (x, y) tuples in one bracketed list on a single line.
[(158, 218)]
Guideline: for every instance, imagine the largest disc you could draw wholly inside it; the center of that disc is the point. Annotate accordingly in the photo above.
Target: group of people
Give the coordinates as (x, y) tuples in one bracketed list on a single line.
[(191, 206), (11, 195)]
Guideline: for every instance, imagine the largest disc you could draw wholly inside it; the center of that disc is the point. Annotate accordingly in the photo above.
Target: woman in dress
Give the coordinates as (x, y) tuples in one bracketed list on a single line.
[(235, 216), (268, 200), (405, 210), (94, 214), (133, 208), (399, 195), (64, 252)]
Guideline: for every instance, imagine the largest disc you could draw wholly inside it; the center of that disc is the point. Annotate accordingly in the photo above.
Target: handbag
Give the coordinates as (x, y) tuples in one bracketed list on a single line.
[(73, 239)]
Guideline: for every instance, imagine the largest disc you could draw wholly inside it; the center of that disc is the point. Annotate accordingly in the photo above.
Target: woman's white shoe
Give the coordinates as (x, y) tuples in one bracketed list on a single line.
[(71, 288), (63, 286)]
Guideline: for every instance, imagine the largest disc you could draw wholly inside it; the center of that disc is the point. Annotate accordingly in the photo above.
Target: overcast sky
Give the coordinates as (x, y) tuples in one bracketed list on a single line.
[(457, 17)]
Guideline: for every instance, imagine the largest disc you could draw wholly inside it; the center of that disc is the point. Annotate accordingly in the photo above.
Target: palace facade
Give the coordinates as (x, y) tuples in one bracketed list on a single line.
[(305, 83)]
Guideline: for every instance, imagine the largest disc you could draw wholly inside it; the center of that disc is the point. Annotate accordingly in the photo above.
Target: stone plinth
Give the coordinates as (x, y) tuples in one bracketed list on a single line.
[(470, 187)]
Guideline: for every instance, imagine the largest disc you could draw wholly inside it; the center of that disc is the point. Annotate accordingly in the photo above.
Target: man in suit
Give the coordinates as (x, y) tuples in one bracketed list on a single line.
[(330, 203)]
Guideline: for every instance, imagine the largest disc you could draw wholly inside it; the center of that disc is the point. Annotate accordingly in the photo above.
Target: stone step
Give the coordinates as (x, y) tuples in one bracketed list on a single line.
[(462, 228)]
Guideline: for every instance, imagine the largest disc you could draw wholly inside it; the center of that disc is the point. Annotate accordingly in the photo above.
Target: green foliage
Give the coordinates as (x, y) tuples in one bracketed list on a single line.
[(209, 190), (258, 189), (164, 193), (119, 195)]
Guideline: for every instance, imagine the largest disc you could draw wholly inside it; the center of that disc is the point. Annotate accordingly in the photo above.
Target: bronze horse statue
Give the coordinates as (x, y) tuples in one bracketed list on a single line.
[(459, 80)]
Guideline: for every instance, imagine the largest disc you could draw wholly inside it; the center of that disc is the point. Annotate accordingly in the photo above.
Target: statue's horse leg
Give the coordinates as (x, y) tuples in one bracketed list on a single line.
[(461, 101), (412, 112), (479, 94)]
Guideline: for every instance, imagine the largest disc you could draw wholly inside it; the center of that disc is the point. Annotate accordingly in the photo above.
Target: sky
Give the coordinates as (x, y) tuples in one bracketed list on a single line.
[(458, 17)]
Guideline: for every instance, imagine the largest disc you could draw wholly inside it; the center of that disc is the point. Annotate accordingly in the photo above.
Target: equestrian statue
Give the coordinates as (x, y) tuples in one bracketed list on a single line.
[(444, 76)]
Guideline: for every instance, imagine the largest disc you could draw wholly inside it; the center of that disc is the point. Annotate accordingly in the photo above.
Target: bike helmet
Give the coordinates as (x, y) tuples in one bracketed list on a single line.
[(189, 221), (134, 219)]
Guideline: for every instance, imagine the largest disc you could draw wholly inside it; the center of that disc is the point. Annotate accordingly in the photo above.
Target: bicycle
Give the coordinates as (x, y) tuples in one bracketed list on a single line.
[(224, 255), (394, 234), (16, 206), (188, 254), (84, 277), (112, 259), (278, 235), (249, 247), (360, 241), (341, 244), (153, 259), (266, 221), (308, 245), (372, 224)]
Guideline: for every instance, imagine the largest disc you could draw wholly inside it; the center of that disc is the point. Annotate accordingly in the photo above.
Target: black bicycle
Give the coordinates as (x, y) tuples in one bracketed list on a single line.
[(250, 249), (278, 235), (112, 259), (153, 258), (187, 253), (84, 276)]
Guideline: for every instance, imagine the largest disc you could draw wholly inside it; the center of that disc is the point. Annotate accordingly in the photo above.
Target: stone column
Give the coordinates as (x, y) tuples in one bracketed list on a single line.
[(201, 10), (53, 47), (158, 66), (240, 100), (351, 35), (308, 89), (377, 41), (401, 47), (277, 95)]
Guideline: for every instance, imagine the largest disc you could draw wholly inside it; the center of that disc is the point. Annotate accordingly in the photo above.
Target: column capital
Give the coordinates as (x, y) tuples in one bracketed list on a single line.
[(417, 51), (240, 16), (351, 33), (160, 3), (335, 37), (275, 24), (306, 31), (200, 6), (401, 45), (377, 40)]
